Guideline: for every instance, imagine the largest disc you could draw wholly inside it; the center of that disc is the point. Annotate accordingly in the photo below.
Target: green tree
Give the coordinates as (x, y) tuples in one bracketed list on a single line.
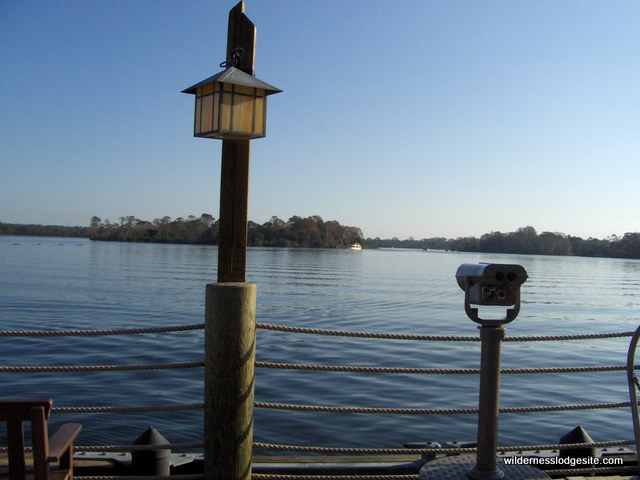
[(553, 244)]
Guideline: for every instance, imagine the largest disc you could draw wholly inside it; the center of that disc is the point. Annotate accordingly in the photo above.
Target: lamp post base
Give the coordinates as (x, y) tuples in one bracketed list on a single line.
[(475, 474)]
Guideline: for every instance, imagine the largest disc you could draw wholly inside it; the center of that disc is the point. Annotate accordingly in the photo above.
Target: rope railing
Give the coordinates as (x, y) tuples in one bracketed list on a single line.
[(133, 409), (138, 448), (323, 408), (341, 409), (337, 409), (312, 331), (434, 371), (436, 411), (95, 368), (96, 333), (436, 338), (307, 367), (195, 476), (128, 448), (433, 451), (323, 368), (501, 450)]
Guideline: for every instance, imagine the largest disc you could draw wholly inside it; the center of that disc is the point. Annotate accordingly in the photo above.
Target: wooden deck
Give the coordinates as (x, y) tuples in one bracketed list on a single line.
[(268, 463), (614, 477)]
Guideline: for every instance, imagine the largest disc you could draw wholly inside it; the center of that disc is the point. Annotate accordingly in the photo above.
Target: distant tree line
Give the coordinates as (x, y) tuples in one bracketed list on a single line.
[(43, 230), (192, 230), (312, 232), (526, 240)]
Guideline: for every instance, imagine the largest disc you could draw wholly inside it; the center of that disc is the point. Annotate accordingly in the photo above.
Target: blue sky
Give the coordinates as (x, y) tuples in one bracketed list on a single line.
[(418, 118)]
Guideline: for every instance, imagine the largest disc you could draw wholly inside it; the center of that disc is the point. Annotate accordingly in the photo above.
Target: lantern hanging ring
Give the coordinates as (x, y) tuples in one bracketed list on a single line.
[(235, 60)]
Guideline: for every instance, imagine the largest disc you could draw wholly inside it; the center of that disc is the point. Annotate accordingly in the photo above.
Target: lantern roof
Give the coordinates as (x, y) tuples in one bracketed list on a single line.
[(235, 76)]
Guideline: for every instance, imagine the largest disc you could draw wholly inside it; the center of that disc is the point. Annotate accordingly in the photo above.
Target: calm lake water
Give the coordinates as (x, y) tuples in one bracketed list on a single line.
[(51, 283)]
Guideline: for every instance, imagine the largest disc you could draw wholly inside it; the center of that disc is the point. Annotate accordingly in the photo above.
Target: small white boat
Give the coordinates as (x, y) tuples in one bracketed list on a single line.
[(355, 246)]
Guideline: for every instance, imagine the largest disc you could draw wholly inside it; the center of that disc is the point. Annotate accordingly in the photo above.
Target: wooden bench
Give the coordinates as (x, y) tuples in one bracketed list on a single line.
[(57, 450)]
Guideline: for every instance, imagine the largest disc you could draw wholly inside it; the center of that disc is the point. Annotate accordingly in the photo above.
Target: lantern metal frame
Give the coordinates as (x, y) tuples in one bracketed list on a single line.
[(231, 105)]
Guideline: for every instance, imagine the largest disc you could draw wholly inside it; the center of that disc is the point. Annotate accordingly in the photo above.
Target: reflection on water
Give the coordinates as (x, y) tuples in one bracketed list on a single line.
[(77, 284)]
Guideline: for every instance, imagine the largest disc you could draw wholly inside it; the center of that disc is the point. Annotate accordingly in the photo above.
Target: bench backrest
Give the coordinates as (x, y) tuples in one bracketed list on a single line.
[(14, 413)]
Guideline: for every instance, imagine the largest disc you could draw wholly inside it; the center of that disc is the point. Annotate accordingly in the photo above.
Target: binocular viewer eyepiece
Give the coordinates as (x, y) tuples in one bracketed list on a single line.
[(491, 284)]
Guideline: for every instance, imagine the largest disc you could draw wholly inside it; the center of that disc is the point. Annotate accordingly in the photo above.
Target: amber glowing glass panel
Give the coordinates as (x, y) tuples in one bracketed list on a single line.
[(243, 114), (261, 103), (207, 114), (216, 112), (225, 111), (197, 128)]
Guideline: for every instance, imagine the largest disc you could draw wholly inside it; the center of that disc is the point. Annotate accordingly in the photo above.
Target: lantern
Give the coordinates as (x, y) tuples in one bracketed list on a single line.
[(231, 105)]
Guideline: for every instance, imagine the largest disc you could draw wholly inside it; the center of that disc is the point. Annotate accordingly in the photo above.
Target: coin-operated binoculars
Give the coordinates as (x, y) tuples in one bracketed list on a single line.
[(490, 285)]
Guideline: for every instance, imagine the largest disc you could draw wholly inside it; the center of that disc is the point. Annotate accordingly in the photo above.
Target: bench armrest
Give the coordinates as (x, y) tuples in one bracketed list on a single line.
[(62, 440)]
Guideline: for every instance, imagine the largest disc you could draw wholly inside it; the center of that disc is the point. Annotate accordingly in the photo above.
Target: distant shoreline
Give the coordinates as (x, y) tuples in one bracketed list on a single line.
[(33, 230), (313, 232)]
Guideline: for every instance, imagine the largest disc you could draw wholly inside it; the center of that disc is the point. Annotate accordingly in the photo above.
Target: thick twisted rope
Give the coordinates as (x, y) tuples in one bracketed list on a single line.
[(336, 409), (94, 333), (431, 451), (385, 336), (138, 448), (107, 409), (313, 331), (436, 411), (96, 368), (434, 371), (349, 450), (196, 476), (305, 367), (556, 338), (128, 448), (435, 338)]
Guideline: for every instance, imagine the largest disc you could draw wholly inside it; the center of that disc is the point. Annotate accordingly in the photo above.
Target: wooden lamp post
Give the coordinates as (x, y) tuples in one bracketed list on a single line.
[(231, 106)]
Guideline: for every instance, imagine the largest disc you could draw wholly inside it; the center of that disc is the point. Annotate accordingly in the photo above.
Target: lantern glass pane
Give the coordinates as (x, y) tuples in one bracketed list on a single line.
[(261, 103), (197, 124), (207, 114), (225, 111), (216, 112), (243, 114)]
